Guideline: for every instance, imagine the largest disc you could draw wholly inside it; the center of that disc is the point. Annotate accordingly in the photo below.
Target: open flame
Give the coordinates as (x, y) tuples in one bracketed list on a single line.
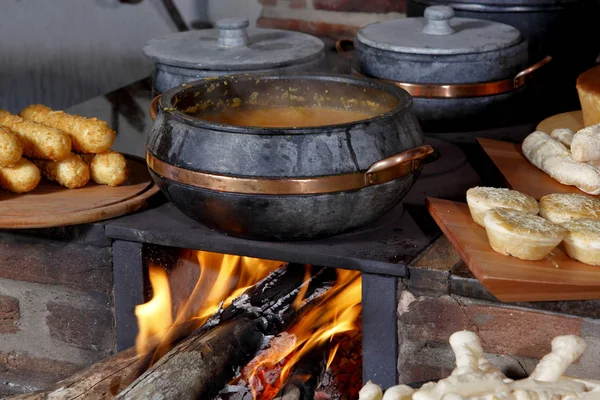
[(154, 317), (223, 278), (337, 313)]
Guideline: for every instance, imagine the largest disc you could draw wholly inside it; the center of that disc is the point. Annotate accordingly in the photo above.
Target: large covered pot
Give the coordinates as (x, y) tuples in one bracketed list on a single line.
[(285, 179)]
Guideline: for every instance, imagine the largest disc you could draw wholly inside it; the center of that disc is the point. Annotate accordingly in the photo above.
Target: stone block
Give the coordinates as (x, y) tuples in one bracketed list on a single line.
[(9, 314), (85, 328), (72, 265)]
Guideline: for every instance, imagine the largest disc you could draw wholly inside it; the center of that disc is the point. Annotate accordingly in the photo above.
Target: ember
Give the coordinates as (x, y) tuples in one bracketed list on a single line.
[(324, 316)]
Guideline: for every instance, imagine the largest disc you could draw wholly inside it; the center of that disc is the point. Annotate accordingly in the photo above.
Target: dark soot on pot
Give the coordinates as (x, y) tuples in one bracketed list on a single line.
[(283, 103)]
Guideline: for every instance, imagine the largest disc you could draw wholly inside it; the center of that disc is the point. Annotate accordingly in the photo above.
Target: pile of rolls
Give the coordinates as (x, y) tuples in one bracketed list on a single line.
[(69, 150), (514, 227), (571, 158)]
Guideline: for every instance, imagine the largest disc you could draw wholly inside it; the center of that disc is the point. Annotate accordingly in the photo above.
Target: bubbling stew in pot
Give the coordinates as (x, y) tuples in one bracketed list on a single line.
[(283, 117)]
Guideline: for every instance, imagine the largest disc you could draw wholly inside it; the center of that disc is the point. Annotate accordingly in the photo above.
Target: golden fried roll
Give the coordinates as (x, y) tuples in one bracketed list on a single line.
[(89, 135), (22, 177), (109, 168), (71, 172), (39, 141), (11, 148)]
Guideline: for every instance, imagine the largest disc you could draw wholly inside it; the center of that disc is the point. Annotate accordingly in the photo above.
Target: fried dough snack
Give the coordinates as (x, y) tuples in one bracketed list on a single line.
[(39, 141), (22, 177), (71, 172), (11, 148), (109, 168), (89, 135)]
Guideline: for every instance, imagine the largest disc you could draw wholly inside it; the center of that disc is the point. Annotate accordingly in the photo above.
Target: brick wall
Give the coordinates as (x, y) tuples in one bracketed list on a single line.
[(56, 311), (514, 338), (330, 18)]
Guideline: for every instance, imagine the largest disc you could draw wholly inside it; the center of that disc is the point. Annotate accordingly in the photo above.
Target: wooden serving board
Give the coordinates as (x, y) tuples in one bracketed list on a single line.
[(51, 205), (519, 173), (557, 277), (572, 120)]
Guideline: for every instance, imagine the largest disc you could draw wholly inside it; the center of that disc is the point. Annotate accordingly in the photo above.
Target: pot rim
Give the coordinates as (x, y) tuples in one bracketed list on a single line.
[(405, 103)]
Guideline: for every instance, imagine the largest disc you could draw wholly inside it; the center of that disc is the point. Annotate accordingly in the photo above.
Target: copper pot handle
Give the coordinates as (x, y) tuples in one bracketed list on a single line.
[(522, 76), (339, 46), (154, 107), (397, 166)]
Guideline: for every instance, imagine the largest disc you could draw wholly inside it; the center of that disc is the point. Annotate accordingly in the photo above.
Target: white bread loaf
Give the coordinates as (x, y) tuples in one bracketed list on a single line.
[(554, 159), (586, 144), (563, 135)]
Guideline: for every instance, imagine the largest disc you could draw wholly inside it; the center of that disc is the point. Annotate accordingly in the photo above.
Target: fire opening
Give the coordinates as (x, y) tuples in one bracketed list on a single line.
[(325, 309)]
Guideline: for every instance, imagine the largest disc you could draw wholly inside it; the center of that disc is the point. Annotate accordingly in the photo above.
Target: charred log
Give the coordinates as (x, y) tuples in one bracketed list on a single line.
[(200, 365), (304, 378), (270, 298), (101, 381)]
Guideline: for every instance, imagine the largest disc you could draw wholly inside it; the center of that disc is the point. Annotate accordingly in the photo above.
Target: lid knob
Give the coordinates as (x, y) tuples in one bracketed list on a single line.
[(232, 32), (438, 20)]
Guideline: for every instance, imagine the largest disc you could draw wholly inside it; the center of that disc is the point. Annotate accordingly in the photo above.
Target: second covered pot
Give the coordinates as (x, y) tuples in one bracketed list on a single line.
[(462, 73)]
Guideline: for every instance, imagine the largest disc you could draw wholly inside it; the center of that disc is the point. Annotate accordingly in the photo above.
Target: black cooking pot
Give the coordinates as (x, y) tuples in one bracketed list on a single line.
[(285, 183)]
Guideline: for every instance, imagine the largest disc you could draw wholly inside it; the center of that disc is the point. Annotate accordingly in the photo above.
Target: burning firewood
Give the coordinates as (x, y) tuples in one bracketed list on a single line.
[(101, 381), (205, 361), (303, 380)]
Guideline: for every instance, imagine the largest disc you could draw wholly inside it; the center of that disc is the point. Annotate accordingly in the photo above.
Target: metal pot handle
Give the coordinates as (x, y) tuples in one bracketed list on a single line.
[(154, 107), (397, 166), (339, 46), (521, 77)]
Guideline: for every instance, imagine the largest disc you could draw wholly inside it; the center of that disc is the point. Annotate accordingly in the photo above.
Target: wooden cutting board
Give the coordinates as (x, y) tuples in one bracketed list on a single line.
[(510, 279), (572, 120), (51, 205), (519, 173)]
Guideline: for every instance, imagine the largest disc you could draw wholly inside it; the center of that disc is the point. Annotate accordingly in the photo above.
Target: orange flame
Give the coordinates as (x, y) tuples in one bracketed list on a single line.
[(154, 317), (223, 277), (339, 313)]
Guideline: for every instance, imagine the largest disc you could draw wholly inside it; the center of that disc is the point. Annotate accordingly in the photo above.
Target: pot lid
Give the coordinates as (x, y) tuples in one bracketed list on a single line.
[(232, 46), (439, 32)]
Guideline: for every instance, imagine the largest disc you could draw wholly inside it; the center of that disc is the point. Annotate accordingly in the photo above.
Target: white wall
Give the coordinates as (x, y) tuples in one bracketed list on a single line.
[(61, 52)]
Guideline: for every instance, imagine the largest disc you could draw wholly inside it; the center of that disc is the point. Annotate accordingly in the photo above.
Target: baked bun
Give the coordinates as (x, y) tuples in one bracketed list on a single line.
[(481, 199), (583, 240), (520, 234), (588, 88), (562, 207)]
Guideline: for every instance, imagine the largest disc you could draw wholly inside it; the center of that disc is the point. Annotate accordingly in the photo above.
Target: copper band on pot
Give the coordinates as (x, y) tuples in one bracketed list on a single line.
[(467, 89), (383, 171)]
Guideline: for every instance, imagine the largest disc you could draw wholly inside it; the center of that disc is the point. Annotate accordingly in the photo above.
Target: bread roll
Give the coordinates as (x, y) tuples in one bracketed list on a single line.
[(521, 235), (89, 135), (22, 177), (586, 144), (71, 172), (563, 135), (39, 141), (554, 159), (559, 208), (588, 88), (109, 168), (11, 148), (583, 240), (482, 199)]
